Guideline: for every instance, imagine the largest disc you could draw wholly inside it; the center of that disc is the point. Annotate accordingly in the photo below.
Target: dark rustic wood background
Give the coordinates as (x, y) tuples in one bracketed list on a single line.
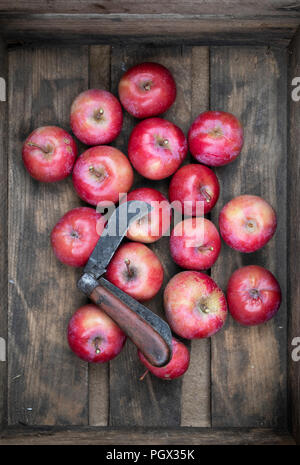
[(234, 21), (239, 377), (293, 288)]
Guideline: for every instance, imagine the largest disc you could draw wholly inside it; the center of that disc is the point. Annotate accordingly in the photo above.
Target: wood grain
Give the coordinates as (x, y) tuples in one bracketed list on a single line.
[(47, 384), (293, 195), (234, 8), (195, 402), (249, 364), (150, 28), (3, 229), (99, 78), (149, 436), (152, 402)]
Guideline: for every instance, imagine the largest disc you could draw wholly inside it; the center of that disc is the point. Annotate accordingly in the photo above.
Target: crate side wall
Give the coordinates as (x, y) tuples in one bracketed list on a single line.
[(146, 436), (150, 28), (234, 8), (294, 240), (3, 230)]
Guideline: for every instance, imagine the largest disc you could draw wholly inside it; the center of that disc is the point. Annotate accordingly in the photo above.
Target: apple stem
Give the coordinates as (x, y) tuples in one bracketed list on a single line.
[(129, 270), (147, 86), (96, 344), (251, 224), (98, 174), (163, 142), (254, 293), (204, 248), (203, 308), (74, 234), (144, 375), (98, 115), (205, 194), (43, 149)]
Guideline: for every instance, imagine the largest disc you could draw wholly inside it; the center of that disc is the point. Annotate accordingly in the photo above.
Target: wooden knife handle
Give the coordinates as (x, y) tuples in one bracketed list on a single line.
[(147, 340)]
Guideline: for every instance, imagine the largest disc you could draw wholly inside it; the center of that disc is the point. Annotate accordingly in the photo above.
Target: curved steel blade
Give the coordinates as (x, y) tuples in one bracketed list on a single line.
[(113, 234)]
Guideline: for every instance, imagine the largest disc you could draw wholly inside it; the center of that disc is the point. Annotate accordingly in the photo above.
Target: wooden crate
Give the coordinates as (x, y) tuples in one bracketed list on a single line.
[(242, 386)]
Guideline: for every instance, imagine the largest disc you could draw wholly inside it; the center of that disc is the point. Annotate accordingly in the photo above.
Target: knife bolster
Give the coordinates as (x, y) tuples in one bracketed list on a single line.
[(87, 283)]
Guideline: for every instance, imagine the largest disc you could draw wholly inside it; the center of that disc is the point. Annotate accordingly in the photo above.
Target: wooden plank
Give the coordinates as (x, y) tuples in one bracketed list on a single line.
[(234, 8), (3, 231), (149, 436), (195, 403), (294, 246), (249, 364), (47, 384), (153, 402), (169, 27), (99, 77)]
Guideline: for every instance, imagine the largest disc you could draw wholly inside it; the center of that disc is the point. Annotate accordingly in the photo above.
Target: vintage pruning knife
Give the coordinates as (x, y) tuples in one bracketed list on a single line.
[(148, 332)]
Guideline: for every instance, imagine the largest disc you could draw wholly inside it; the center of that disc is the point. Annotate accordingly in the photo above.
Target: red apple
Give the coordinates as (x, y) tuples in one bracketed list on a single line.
[(157, 148), (74, 237), (253, 295), (147, 89), (49, 154), (195, 244), (192, 184), (136, 270), (93, 336), (195, 306), (101, 174), (215, 138), (96, 117), (152, 227), (177, 366), (247, 223)]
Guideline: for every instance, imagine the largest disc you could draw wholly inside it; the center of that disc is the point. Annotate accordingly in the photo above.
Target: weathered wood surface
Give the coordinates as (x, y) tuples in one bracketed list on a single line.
[(229, 8), (195, 398), (3, 228), (151, 28), (294, 245), (47, 384), (99, 78), (249, 364), (149, 436)]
